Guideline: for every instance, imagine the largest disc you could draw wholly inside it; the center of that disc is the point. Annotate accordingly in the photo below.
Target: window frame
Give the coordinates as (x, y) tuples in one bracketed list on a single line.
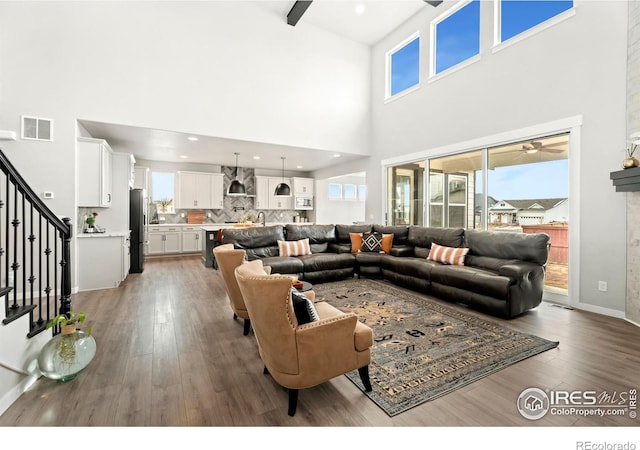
[(498, 44), (388, 68), (433, 42)]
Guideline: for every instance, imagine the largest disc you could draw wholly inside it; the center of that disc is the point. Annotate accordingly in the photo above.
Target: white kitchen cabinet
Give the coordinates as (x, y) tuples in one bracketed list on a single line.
[(217, 191), (193, 190), (163, 240), (279, 202), (303, 186), (109, 269), (262, 193), (141, 178), (94, 173), (191, 240)]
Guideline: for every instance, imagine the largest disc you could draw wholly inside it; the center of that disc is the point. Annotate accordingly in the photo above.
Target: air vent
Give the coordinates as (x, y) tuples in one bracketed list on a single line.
[(37, 128)]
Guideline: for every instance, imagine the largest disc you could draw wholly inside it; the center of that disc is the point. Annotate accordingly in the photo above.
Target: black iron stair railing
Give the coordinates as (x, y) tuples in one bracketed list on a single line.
[(35, 252)]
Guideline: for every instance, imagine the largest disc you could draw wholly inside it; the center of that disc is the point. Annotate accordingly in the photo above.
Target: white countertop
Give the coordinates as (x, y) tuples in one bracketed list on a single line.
[(105, 234)]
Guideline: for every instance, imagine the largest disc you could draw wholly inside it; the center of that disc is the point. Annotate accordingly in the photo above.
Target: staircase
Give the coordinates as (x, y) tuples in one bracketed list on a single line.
[(35, 252)]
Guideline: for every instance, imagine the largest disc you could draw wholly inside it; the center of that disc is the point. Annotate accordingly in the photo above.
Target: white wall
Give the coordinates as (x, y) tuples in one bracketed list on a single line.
[(575, 68), (338, 211)]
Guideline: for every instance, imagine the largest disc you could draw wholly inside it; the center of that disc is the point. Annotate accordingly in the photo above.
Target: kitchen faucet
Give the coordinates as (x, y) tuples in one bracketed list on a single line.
[(262, 218)]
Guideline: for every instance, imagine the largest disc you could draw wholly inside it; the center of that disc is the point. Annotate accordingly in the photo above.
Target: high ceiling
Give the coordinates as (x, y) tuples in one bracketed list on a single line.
[(365, 21)]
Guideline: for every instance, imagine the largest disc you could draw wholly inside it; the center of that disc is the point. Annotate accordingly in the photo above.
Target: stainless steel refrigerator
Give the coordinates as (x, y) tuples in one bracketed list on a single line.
[(136, 225)]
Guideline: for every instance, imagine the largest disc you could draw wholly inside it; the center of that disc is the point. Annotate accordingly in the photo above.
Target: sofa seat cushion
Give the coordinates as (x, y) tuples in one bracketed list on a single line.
[(409, 266), (473, 279), (284, 264), (368, 258), (327, 261)]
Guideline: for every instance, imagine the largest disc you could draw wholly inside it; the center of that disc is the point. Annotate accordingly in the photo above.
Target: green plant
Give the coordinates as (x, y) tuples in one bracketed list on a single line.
[(71, 318), (91, 219), (164, 203), (247, 218)]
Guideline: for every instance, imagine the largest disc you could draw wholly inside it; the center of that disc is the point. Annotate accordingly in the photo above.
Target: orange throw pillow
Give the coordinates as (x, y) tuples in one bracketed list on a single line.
[(356, 242), (387, 242)]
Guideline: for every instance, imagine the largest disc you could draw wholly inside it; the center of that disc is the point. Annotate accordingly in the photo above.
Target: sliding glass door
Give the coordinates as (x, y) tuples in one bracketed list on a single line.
[(406, 194), (521, 187)]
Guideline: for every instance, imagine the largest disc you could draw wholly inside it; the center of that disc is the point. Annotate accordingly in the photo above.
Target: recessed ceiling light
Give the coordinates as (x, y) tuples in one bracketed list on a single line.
[(256, 157), (299, 167), (360, 8), (336, 155), (183, 156), (192, 138)]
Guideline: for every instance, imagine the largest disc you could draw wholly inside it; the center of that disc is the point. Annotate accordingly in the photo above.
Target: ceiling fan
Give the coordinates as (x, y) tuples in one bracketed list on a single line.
[(537, 146)]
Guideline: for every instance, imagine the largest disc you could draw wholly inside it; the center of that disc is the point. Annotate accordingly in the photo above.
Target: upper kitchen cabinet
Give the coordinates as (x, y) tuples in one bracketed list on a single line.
[(94, 173), (141, 178), (194, 190), (217, 190), (303, 186), (279, 202), (199, 190), (265, 190), (262, 193)]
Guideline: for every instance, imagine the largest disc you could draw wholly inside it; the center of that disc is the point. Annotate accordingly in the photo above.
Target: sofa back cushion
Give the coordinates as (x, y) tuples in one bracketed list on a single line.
[(400, 233), (422, 238), (259, 242), (504, 245), (342, 232), (320, 236)]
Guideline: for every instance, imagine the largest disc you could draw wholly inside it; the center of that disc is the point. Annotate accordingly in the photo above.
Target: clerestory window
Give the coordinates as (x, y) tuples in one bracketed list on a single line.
[(403, 67)]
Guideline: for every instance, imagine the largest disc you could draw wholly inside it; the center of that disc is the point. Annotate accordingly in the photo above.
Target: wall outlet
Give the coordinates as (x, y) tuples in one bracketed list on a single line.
[(209, 215), (602, 286)]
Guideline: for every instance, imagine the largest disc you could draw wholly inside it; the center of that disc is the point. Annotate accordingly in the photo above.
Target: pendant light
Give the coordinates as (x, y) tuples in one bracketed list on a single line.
[(236, 188), (282, 189)]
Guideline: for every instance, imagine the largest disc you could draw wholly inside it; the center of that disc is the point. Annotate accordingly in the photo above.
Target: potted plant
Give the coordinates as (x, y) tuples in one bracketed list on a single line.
[(70, 322), (91, 220), (69, 352), (631, 161), (164, 203)]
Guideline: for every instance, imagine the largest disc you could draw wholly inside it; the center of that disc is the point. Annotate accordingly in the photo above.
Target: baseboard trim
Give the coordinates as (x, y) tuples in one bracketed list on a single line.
[(632, 322), (600, 310)]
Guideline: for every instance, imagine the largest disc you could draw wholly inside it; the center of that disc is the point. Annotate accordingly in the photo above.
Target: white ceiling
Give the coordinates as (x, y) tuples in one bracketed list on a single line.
[(376, 19)]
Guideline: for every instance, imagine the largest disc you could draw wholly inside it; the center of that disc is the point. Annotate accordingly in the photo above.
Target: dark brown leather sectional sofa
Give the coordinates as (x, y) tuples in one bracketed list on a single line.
[(503, 273)]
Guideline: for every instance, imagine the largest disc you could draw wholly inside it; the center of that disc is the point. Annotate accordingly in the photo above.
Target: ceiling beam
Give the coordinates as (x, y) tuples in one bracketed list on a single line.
[(433, 3), (297, 11)]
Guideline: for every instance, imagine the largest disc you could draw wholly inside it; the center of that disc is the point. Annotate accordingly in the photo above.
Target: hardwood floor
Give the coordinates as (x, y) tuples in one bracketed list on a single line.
[(169, 354)]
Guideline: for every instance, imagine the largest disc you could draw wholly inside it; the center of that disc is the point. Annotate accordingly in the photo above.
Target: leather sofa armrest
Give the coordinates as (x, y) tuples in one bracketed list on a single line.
[(519, 271)]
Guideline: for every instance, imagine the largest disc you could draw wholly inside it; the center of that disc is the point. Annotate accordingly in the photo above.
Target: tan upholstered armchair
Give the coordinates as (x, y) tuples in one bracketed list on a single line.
[(301, 356), (228, 259)]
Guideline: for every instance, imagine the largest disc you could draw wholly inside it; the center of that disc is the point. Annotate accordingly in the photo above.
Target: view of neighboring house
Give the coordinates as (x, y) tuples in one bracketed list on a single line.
[(529, 212)]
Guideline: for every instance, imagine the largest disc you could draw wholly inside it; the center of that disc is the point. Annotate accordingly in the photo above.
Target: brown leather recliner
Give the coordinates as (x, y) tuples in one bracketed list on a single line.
[(301, 356), (228, 259)]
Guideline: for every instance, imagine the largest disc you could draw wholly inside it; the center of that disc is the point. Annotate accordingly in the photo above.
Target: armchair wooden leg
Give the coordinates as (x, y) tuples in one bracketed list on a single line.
[(293, 401), (247, 326), (364, 376)]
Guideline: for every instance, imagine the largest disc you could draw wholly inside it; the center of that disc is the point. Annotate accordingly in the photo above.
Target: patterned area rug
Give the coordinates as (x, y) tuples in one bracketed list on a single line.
[(423, 349)]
